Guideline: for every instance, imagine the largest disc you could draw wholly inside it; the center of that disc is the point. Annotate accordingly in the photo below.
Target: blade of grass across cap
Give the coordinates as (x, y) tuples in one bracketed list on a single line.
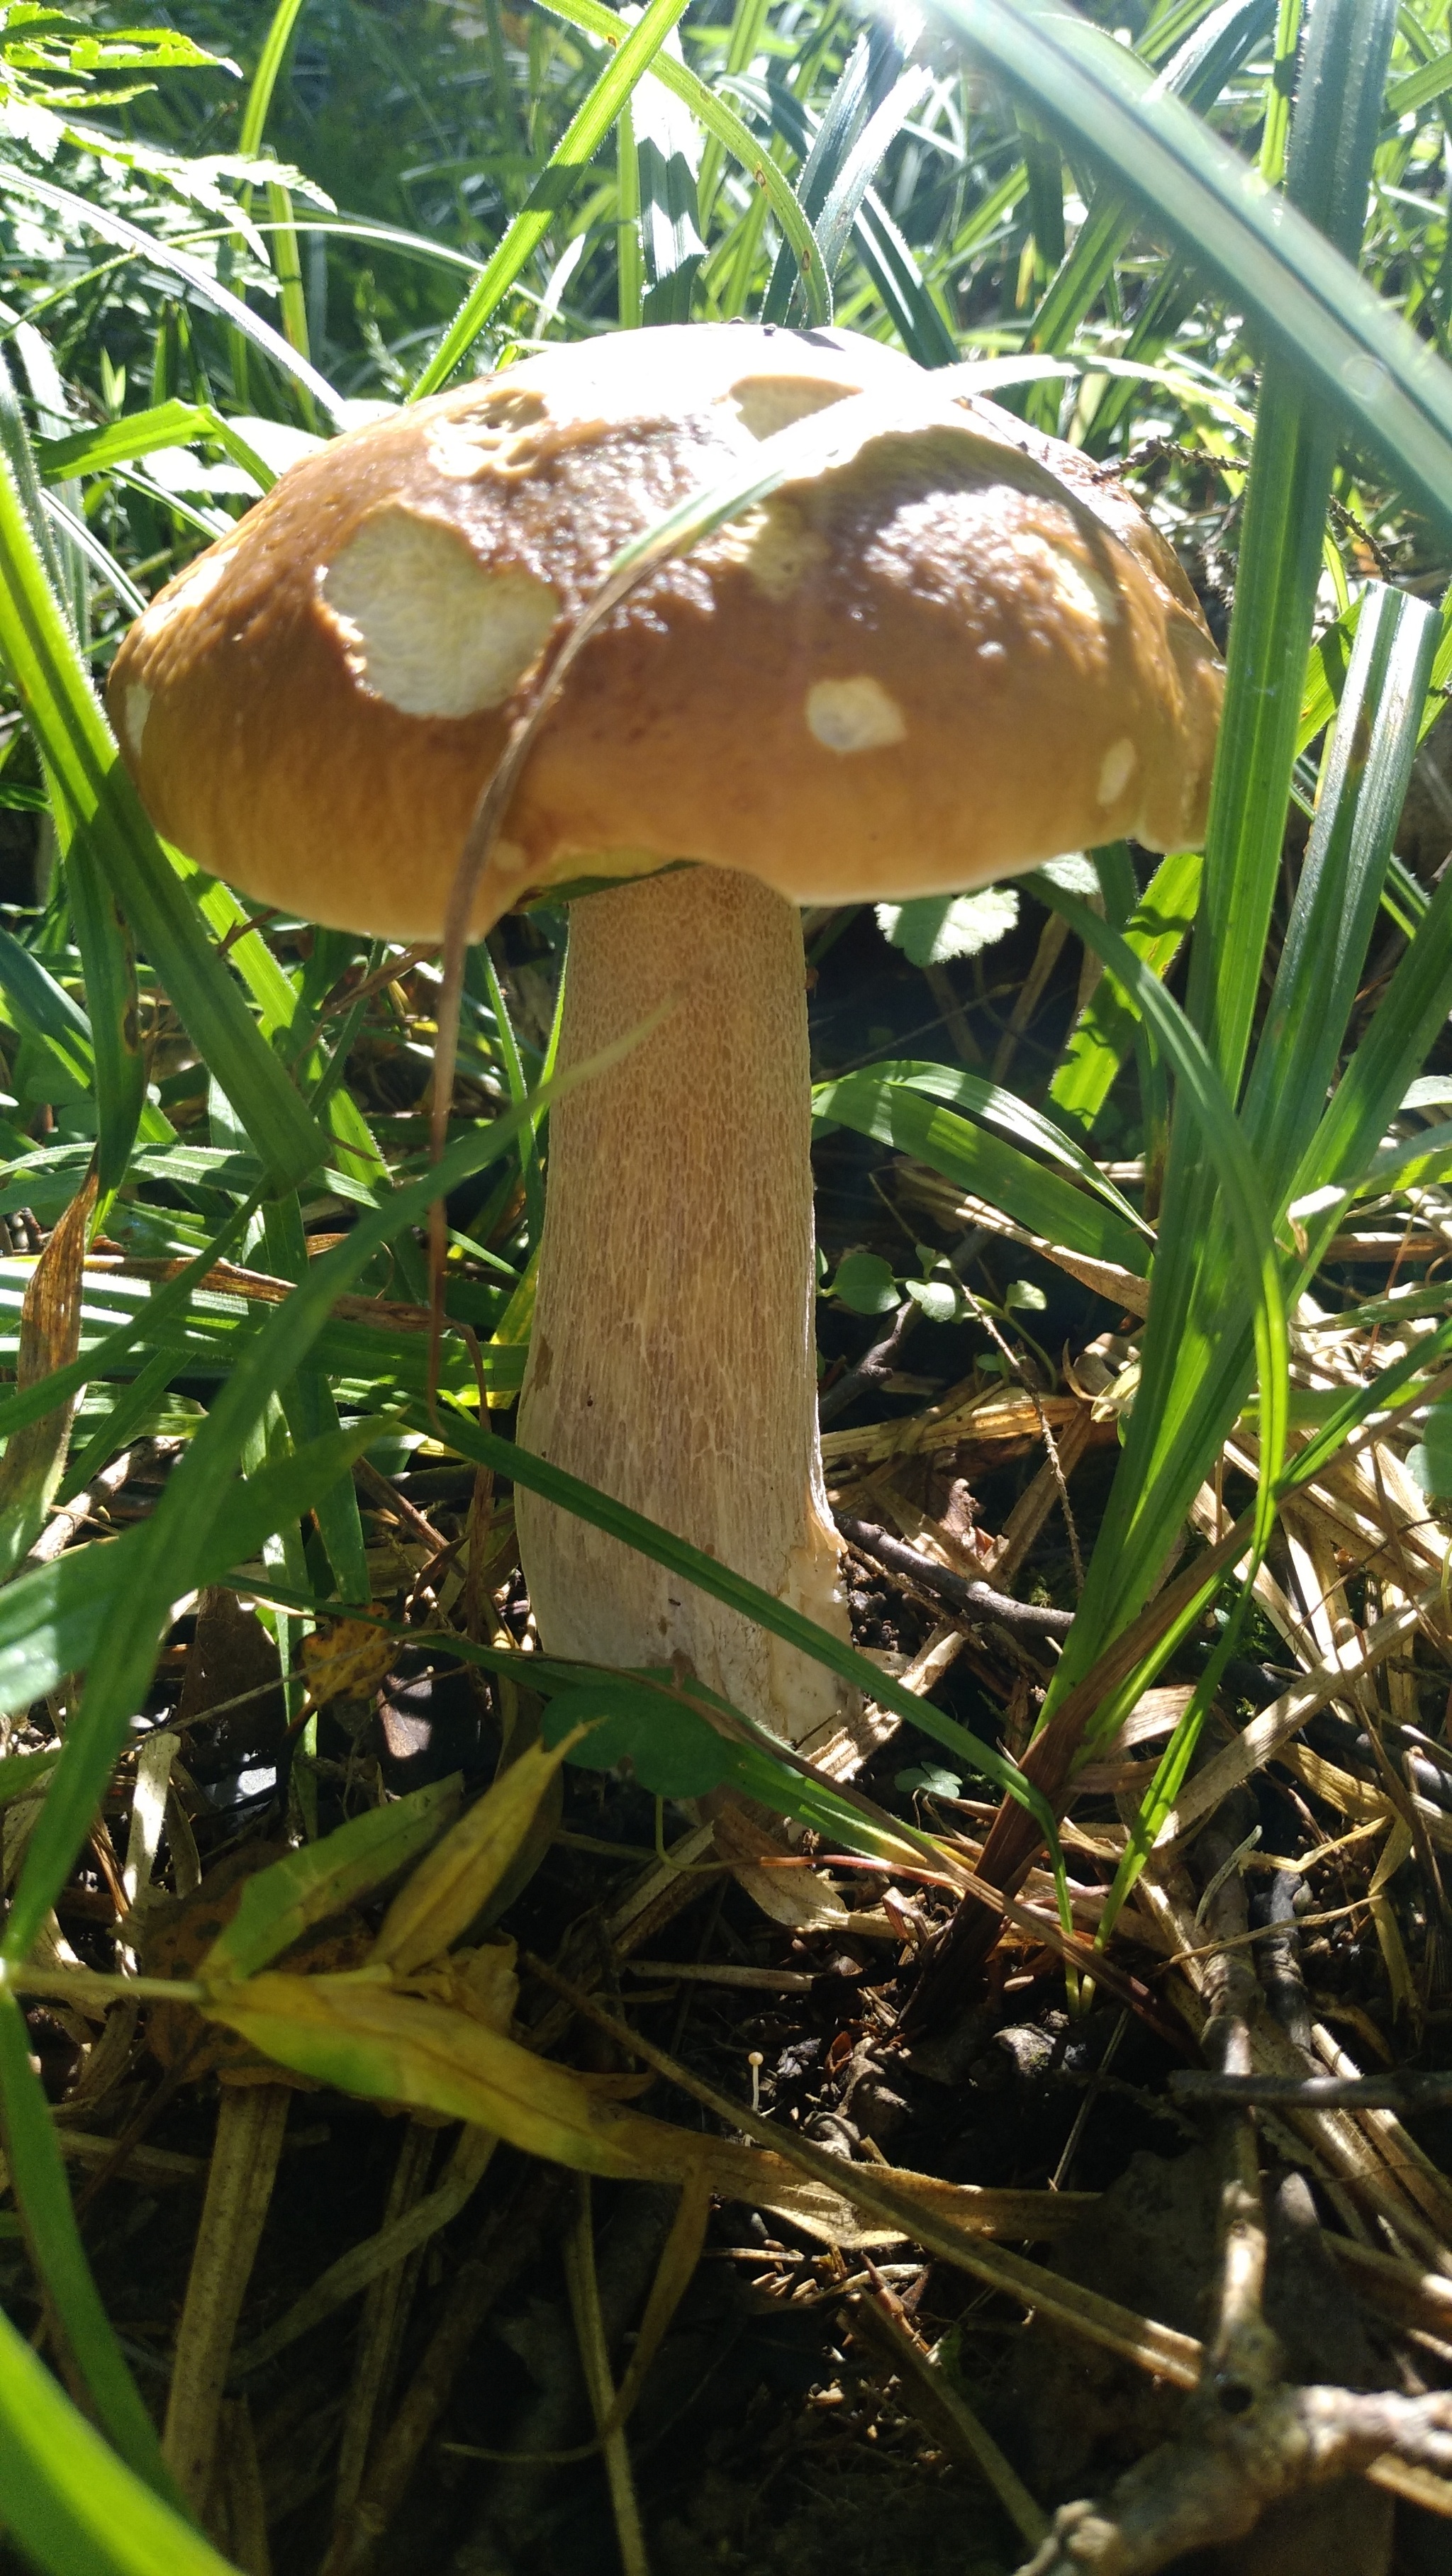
[(70, 2503), (44, 2199), (807, 445), (176, 1539), (1271, 260), (637, 48), (721, 122), (37, 646)]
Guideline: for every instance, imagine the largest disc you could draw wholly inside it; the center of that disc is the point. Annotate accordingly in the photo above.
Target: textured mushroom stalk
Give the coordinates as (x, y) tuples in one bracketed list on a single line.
[(672, 1360)]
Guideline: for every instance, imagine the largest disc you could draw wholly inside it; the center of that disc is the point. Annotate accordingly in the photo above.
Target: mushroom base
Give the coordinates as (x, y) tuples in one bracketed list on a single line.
[(672, 1361)]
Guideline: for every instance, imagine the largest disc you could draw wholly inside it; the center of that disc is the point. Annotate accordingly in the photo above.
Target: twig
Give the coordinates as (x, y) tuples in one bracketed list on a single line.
[(929, 2393), (1390, 2092), (506, 2245), (584, 2289), (874, 1367), (972, 1600), (250, 2123)]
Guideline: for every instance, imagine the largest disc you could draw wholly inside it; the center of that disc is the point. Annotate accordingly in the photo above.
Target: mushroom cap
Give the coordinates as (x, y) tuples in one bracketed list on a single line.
[(928, 659)]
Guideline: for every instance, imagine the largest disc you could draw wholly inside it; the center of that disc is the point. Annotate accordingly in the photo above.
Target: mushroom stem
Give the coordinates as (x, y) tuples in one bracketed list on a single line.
[(672, 1361)]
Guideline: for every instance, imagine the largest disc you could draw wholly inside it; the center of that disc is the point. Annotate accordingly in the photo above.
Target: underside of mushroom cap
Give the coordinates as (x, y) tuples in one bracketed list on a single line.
[(924, 661)]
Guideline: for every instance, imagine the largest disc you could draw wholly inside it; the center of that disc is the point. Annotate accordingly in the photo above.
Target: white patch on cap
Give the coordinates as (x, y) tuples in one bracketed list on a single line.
[(1086, 592), (1082, 591), (780, 551), (427, 628), (189, 589), (854, 715), (1116, 770), (765, 404), (492, 436), (134, 714)]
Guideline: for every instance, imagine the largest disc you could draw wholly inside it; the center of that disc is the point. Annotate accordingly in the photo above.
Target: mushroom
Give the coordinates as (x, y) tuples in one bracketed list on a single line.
[(943, 654)]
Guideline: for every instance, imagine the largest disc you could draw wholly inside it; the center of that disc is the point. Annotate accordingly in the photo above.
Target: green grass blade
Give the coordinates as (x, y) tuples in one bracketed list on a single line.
[(92, 216), (841, 122), (668, 153), (1269, 258), (1102, 1037), (311, 1414), (265, 78), (1364, 781), (1203, 1094), (633, 1529), (76, 745), (143, 433), (1413, 1009), (109, 963), (581, 140), (895, 1105), (45, 1009), (722, 122), (72, 2505), (50, 2224)]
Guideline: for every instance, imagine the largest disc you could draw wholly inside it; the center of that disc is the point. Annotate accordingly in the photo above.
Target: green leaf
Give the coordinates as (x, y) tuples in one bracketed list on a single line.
[(145, 433), (865, 1284), (1437, 1450), (20, 1773), (1104, 1033), (283, 1902), (673, 1752)]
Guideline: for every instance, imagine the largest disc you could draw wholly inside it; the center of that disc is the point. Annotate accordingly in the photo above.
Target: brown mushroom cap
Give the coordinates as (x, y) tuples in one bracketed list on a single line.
[(929, 662)]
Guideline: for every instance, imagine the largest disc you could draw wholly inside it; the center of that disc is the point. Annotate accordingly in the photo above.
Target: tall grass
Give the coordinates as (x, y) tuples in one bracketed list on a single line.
[(207, 272)]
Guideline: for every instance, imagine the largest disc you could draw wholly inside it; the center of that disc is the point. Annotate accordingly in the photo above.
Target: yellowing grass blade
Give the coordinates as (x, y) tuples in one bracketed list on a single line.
[(448, 1889)]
